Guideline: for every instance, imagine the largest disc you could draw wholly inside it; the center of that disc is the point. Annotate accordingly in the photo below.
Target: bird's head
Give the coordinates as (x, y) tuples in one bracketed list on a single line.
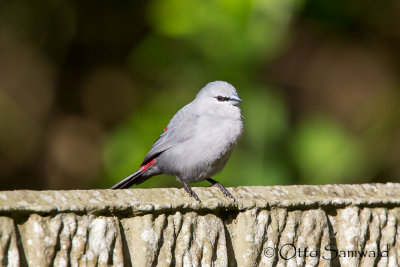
[(219, 95)]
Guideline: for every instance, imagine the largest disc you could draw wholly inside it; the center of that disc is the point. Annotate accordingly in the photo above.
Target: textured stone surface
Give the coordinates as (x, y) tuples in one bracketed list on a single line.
[(267, 226)]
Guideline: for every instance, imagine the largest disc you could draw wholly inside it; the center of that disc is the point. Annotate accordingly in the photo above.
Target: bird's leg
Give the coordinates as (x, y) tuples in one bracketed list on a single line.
[(221, 187), (189, 190)]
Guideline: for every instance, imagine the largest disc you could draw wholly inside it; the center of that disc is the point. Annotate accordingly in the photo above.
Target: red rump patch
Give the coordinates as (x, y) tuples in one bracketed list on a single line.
[(166, 128), (147, 165)]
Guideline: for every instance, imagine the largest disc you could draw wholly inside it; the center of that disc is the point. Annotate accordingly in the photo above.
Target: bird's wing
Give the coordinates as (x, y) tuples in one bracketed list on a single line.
[(180, 128)]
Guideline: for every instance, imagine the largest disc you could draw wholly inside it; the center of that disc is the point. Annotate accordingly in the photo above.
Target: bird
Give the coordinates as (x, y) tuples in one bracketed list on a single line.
[(197, 142)]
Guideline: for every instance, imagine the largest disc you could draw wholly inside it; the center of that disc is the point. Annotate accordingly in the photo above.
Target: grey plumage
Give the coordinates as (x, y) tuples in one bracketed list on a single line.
[(198, 140)]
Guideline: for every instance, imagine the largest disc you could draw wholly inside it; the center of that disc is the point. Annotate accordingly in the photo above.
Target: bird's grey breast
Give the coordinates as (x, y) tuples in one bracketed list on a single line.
[(213, 142), (218, 134), (204, 144)]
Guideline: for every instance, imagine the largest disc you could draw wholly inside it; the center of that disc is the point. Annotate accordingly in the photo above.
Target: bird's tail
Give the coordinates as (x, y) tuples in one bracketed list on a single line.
[(134, 178)]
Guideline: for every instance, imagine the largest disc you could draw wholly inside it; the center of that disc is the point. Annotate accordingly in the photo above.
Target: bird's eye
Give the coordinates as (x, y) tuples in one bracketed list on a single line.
[(220, 98)]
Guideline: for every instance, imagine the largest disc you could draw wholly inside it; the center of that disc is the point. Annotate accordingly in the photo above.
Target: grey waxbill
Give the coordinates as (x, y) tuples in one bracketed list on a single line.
[(197, 142)]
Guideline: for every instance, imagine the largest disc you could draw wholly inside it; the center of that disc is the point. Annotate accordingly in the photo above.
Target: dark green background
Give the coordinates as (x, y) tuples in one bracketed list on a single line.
[(87, 86)]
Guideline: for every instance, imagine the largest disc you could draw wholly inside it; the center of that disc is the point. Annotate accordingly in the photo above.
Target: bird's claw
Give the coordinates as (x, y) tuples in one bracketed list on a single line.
[(189, 190), (226, 192), (222, 188)]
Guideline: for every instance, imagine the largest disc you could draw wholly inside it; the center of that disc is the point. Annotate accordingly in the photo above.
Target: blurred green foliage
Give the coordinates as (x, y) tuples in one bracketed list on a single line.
[(321, 148), (191, 43), (86, 88)]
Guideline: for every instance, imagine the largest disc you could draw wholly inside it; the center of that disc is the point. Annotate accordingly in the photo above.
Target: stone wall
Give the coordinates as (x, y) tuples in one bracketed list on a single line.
[(331, 225)]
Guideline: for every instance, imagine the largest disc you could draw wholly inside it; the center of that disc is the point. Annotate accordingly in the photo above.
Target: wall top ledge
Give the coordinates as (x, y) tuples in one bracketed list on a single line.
[(141, 201)]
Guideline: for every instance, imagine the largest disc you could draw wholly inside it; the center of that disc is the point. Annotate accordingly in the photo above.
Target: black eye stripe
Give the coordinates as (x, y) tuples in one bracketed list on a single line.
[(221, 98)]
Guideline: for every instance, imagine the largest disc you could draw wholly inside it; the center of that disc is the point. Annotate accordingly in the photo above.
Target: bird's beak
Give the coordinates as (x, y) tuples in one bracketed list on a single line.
[(235, 99)]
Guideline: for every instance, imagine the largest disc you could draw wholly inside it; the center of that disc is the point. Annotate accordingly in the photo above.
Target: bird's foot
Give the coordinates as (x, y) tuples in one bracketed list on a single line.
[(222, 188), (189, 190)]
